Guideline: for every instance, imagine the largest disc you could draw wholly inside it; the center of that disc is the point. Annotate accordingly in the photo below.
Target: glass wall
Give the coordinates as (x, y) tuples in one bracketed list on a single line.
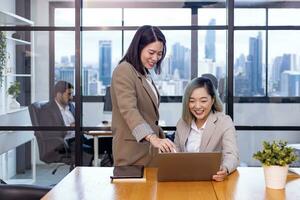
[(41, 49), (266, 75), (28, 151)]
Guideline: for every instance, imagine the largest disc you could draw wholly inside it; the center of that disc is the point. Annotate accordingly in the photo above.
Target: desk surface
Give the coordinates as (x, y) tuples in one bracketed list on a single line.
[(94, 183), (107, 133), (249, 183)]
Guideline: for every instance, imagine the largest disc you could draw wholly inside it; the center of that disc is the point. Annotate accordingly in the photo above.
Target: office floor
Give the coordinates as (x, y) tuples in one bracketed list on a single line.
[(44, 176)]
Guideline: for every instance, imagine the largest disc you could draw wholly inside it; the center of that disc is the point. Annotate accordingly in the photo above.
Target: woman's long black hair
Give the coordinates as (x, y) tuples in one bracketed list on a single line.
[(145, 35)]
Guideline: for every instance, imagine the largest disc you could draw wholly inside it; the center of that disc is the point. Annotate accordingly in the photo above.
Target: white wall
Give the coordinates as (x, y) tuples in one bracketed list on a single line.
[(39, 13)]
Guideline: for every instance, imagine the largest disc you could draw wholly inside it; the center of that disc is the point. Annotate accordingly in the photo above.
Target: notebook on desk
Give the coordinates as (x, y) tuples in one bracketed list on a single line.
[(131, 173), (185, 166)]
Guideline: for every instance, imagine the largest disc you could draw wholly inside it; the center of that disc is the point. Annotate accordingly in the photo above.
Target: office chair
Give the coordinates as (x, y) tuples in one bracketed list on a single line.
[(28, 192), (212, 78), (219, 85), (51, 144)]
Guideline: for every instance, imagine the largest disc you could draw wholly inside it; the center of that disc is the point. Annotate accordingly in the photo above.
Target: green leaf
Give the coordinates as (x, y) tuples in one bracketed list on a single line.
[(275, 153)]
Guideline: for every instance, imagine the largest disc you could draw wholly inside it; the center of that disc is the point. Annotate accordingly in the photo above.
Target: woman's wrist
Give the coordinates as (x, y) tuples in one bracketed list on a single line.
[(225, 169), (148, 137), (152, 137)]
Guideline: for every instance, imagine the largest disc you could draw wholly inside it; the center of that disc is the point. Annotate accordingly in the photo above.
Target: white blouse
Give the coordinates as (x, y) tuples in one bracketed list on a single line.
[(149, 80), (194, 140)]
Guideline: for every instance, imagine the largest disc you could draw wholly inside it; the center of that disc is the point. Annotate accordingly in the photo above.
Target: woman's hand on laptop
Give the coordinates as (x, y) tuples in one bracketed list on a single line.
[(221, 174), (164, 145)]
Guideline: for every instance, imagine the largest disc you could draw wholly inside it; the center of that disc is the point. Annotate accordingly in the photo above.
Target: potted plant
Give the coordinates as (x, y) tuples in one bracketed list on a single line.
[(3, 56), (14, 91), (275, 158)]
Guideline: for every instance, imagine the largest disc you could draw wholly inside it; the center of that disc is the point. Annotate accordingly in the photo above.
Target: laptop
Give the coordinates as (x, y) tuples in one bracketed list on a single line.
[(188, 166)]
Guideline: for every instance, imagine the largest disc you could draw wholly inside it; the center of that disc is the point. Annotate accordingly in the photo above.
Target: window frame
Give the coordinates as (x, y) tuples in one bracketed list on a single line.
[(194, 6), (229, 5)]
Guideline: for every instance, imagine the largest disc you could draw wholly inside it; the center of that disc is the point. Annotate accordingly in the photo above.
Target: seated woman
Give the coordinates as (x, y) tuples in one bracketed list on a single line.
[(204, 128)]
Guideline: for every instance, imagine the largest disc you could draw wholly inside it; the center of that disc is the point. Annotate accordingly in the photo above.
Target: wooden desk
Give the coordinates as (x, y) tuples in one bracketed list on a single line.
[(94, 183), (96, 135), (248, 183)]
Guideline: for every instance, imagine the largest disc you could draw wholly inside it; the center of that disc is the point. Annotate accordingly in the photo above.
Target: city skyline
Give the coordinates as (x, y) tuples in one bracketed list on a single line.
[(176, 67), (249, 46), (180, 16)]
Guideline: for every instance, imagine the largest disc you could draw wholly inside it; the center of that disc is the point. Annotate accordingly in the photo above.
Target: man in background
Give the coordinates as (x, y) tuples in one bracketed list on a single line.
[(60, 111)]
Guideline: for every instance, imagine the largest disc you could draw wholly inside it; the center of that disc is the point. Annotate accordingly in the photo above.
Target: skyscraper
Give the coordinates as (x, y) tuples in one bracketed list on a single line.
[(286, 63), (85, 81), (180, 60), (290, 83), (64, 60), (280, 65), (254, 65), (105, 61), (66, 74), (210, 40)]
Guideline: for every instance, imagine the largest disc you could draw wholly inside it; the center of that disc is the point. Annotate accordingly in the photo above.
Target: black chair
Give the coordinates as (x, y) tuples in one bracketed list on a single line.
[(212, 78), (219, 85), (28, 192), (51, 144)]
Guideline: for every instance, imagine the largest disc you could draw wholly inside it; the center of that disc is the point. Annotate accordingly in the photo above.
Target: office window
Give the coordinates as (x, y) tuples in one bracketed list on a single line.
[(212, 57), (64, 56), (101, 53), (205, 16), (249, 63), (176, 67), (284, 63), (157, 16), (244, 17), (90, 17), (212, 52), (284, 16), (64, 17), (101, 17)]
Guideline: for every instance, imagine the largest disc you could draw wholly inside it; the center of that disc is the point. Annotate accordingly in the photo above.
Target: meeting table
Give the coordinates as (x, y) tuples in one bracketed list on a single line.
[(88, 183)]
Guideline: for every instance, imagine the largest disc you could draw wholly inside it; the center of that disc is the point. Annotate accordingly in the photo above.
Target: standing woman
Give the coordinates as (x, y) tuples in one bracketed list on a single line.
[(204, 128), (135, 100)]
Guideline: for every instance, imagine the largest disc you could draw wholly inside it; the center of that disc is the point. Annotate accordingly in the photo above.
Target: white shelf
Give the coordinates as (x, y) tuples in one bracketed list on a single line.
[(18, 41), (9, 19), (17, 75), (10, 111)]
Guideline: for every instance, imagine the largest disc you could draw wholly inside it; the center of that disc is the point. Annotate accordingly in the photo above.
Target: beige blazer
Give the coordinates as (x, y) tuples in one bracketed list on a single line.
[(219, 135), (134, 116)]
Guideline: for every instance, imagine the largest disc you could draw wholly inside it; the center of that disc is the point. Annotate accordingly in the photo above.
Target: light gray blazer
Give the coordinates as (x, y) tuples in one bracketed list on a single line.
[(219, 135)]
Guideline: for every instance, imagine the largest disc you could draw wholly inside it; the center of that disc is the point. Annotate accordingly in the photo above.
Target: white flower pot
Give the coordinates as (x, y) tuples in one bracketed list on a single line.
[(275, 176), (14, 104)]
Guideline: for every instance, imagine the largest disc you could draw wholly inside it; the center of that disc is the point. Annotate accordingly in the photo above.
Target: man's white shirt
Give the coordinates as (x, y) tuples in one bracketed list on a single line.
[(68, 119)]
